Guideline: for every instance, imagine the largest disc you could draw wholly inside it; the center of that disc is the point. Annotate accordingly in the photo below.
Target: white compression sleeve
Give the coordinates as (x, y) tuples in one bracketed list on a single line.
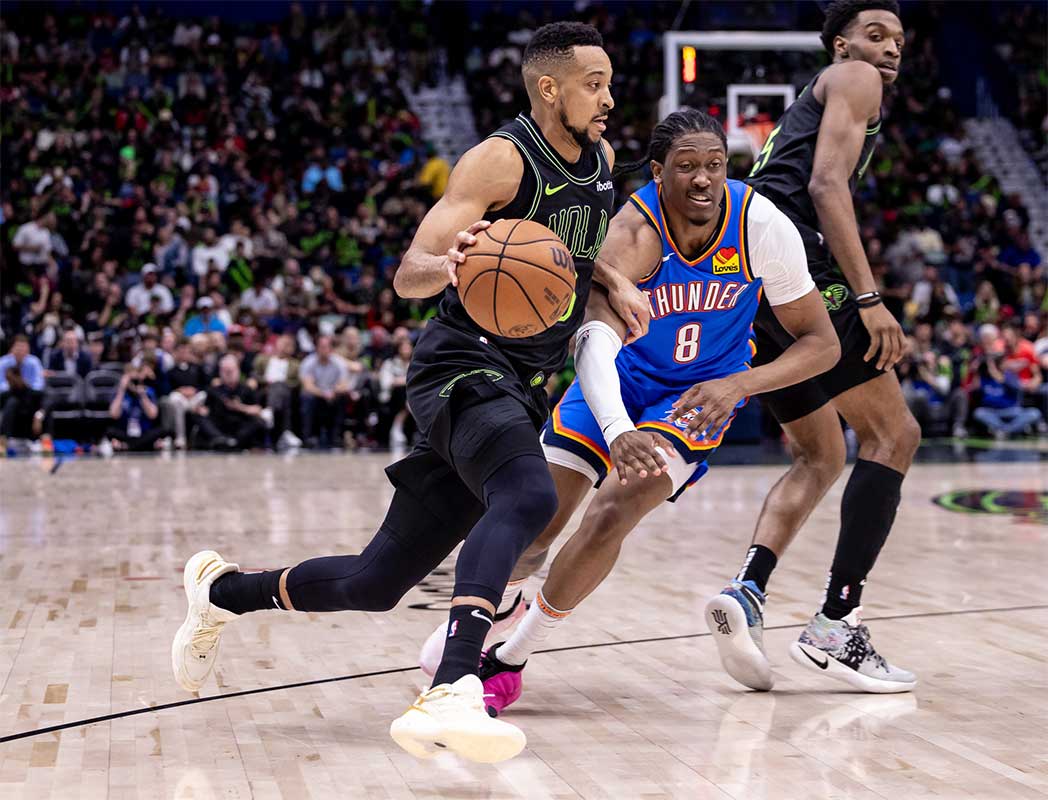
[(596, 346)]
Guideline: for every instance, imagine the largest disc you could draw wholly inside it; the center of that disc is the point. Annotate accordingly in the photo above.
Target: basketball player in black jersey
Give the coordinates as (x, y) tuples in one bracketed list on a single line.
[(480, 473), (809, 167)]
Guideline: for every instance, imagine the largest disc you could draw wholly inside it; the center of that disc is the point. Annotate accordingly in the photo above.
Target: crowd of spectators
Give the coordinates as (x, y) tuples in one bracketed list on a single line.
[(212, 213), (203, 205)]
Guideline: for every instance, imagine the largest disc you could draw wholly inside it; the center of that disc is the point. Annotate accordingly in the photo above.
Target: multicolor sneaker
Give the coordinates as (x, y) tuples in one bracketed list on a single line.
[(502, 681), (841, 649), (736, 619), (433, 648)]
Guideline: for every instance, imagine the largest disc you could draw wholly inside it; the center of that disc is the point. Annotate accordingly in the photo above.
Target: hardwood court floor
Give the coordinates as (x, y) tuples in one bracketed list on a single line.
[(91, 559)]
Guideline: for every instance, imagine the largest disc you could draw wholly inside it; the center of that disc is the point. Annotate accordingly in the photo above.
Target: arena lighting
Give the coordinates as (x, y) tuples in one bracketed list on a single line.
[(688, 65)]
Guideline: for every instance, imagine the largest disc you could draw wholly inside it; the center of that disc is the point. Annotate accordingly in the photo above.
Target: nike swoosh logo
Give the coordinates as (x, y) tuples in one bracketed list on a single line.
[(820, 664), (476, 611), (667, 257), (550, 192)]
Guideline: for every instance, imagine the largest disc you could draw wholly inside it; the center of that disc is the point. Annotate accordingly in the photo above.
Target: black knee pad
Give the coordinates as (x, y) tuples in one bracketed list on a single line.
[(523, 494), (538, 499)]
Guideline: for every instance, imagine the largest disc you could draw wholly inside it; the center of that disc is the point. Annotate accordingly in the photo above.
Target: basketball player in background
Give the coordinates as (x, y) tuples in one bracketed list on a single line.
[(479, 474), (703, 249), (809, 167)]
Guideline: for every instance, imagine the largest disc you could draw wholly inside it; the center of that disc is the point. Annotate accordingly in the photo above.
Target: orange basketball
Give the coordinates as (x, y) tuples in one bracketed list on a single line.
[(518, 279)]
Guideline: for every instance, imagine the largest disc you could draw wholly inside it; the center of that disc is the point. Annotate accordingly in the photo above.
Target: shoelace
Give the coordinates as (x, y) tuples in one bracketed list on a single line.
[(205, 638), (864, 633), (439, 692)]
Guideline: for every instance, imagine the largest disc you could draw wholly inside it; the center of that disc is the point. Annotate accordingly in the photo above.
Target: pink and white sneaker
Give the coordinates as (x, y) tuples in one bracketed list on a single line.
[(502, 681), (433, 648)]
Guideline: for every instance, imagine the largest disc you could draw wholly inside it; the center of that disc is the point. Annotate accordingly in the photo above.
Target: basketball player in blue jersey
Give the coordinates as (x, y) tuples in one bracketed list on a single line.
[(810, 164), (479, 474), (703, 249)]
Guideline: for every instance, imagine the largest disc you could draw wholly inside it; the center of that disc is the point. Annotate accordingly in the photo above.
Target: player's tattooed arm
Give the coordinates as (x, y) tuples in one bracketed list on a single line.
[(485, 179), (851, 96), (630, 252)]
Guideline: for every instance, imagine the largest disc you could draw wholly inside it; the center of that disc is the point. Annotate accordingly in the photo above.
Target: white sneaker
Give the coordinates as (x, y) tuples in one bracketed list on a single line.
[(452, 717), (841, 649), (195, 646), (735, 618), (288, 441), (433, 648)]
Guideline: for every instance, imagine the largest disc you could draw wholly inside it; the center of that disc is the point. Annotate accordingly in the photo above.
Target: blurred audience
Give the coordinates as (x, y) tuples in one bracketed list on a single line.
[(180, 194), (325, 390), (232, 417)]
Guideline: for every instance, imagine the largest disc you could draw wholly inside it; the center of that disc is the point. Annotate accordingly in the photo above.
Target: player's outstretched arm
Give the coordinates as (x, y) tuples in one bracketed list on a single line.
[(852, 93), (486, 178), (634, 248)]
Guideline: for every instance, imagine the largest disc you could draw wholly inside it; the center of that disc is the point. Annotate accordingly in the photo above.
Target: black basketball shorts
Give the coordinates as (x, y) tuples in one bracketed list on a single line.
[(799, 400), (474, 414)]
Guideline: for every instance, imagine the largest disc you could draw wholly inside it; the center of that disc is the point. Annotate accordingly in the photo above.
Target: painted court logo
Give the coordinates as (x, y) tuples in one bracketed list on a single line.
[(1029, 506), (833, 296)]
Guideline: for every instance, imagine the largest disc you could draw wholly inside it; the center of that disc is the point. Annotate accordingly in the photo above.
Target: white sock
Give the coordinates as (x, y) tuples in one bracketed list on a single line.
[(532, 632), (513, 588)]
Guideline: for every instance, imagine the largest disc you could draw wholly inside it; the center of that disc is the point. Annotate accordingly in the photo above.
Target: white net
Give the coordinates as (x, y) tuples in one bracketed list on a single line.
[(744, 78)]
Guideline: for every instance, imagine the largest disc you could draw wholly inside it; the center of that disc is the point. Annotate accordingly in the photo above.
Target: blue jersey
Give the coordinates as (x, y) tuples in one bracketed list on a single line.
[(701, 309)]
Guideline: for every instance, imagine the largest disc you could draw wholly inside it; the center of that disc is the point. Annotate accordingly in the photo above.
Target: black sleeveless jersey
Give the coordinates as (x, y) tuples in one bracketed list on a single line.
[(783, 168), (575, 201)]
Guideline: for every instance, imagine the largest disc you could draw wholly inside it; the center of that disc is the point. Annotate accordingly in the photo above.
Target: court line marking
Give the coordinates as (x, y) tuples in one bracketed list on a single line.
[(396, 670)]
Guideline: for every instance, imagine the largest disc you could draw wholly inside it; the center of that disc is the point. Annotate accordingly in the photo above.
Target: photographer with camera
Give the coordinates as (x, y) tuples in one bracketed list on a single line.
[(21, 390), (998, 381), (135, 410), (932, 394)]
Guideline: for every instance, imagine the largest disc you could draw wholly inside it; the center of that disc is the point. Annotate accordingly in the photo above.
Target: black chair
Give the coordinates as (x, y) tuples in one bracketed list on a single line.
[(100, 388), (111, 366), (63, 406)]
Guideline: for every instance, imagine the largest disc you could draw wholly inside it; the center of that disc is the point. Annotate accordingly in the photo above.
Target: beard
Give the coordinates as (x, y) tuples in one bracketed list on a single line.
[(581, 136)]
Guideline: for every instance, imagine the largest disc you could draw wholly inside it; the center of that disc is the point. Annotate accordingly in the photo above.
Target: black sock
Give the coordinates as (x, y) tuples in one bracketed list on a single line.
[(241, 592), (467, 628), (757, 567), (868, 508)]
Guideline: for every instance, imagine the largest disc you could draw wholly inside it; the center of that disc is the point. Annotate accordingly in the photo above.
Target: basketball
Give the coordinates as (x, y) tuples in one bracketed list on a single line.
[(518, 279)]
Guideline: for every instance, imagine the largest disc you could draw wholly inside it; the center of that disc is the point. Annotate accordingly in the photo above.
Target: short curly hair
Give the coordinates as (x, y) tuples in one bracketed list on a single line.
[(554, 42), (841, 13)]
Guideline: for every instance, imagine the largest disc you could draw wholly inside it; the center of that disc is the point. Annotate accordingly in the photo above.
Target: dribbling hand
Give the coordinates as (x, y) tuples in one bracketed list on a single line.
[(634, 451), (456, 254)]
